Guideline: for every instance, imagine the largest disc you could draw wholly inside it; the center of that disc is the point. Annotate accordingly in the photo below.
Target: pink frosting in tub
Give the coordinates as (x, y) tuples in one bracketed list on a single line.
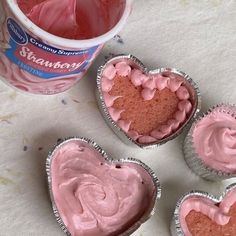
[(22, 79), (74, 19), (95, 197), (214, 139), (54, 17), (208, 208), (150, 84)]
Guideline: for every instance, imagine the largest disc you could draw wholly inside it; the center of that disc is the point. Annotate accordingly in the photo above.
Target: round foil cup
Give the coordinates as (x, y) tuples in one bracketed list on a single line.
[(38, 62), (137, 64), (194, 161), (175, 227), (153, 201)]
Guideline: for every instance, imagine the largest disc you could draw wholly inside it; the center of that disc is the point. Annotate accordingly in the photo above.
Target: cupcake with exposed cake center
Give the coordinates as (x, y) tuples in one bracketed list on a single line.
[(147, 107)]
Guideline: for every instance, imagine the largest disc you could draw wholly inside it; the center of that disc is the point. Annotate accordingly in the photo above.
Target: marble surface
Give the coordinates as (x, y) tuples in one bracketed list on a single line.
[(198, 37)]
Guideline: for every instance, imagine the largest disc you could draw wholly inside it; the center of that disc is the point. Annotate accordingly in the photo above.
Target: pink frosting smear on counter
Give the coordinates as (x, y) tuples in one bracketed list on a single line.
[(95, 197), (214, 140), (74, 19), (218, 214)]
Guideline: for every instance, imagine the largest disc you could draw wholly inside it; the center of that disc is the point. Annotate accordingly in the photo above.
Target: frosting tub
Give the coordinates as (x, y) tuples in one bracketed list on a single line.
[(46, 46), (94, 195)]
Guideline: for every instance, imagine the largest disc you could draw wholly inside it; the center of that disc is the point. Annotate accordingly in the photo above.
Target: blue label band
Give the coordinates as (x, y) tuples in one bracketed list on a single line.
[(34, 56)]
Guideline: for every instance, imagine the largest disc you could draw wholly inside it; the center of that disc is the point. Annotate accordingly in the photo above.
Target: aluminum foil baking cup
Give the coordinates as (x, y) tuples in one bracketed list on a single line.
[(136, 63), (153, 202), (175, 228), (194, 161)]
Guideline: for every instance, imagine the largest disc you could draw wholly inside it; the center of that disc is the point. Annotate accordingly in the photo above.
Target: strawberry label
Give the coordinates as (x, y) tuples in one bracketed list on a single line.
[(43, 60)]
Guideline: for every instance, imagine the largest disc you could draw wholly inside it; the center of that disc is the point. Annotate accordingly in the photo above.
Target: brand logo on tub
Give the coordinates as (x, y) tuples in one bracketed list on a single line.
[(43, 60), (16, 33)]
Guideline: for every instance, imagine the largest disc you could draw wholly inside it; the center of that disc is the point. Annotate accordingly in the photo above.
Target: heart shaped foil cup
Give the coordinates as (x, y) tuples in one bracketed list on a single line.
[(211, 214), (136, 64), (55, 167), (193, 159)]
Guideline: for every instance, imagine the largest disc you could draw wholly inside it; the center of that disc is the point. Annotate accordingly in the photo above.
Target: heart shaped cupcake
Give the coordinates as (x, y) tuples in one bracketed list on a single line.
[(210, 145), (146, 108), (93, 194), (200, 214)]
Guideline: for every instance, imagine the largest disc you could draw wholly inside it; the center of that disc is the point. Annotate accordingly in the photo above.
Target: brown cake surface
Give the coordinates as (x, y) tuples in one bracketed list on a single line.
[(201, 225), (144, 115)]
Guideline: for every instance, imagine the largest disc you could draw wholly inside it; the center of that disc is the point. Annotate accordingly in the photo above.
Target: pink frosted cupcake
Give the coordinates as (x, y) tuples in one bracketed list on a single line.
[(210, 146), (199, 213), (147, 108)]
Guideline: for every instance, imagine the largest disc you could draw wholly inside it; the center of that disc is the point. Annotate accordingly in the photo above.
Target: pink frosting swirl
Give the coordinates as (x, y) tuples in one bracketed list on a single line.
[(49, 15), (95, 197), (214, 139)]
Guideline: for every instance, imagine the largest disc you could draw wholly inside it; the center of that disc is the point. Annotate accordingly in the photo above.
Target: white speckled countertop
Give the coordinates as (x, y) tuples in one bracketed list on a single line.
[(198, 37)]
